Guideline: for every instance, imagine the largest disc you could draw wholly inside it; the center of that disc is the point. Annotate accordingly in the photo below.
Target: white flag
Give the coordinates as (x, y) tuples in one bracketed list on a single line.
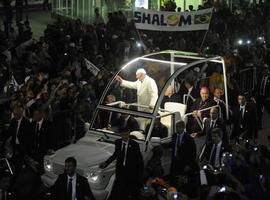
[(91, 67)]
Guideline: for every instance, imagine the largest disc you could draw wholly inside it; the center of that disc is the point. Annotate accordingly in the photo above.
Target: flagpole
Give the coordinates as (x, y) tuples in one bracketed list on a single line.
[(204, 37)]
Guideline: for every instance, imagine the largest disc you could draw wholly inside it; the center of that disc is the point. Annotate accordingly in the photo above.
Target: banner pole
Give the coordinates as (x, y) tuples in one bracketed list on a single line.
[(204, 37)]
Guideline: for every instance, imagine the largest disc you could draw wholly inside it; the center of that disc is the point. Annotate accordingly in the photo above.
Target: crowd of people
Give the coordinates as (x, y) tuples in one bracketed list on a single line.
[(48, 95)]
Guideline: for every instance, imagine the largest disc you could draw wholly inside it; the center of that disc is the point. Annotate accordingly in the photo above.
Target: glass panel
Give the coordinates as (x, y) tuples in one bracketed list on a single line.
[(110, 122)]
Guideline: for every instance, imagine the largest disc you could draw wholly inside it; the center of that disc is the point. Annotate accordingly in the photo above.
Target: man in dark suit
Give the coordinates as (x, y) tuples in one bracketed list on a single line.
[(159, 129), (71, 185), (20, 137), (212, 152), (183, 162), (183, 152), (244, 119), (43, 131), (209, 124), (129, 167), (218, 93), (129, 121)]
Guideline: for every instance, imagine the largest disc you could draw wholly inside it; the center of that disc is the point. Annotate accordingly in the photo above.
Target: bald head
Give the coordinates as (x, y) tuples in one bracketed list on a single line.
[(204, 92), (214, 113)]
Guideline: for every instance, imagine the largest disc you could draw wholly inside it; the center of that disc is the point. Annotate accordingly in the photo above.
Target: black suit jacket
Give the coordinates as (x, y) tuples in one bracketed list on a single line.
[(59, 189), (185, 156), (206, 152), (107, 118), (24, 135), (247, 125), (131, 123), (222, 107), (160, 131), (207, 130), (193, 126), (174, 98), (198, 105), (195, 94), (43, 139), (133, 168)]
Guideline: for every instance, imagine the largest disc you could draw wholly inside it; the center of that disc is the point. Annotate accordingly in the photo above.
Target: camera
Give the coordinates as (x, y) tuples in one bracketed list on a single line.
[(261, 177)]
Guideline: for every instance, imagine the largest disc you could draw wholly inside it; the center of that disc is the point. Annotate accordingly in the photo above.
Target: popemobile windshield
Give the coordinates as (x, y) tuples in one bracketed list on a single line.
[(136, 91)]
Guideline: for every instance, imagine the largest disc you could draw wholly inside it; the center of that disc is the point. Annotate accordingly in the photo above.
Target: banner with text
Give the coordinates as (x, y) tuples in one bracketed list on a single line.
[(172, 21)]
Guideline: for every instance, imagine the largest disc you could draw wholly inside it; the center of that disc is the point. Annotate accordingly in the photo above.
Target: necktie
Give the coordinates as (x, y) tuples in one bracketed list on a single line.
[(263, 84), (37, 135), (176, 145), (17, 127), (123, 153), (213, 155), (212, 124), (241, 113), (69, 191)]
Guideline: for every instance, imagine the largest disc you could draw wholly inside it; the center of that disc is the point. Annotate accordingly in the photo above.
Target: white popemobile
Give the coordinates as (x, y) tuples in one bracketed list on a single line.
[(166, 68)]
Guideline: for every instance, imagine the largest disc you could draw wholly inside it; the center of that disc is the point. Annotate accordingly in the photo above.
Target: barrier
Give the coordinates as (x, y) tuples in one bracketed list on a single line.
[(247, 79)]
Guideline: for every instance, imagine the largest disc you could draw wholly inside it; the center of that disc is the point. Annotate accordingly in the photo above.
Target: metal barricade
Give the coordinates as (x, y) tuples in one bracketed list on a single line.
[(247, 79)]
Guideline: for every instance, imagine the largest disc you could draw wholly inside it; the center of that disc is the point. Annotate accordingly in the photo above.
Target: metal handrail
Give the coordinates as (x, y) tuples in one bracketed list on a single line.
[(200, 121)]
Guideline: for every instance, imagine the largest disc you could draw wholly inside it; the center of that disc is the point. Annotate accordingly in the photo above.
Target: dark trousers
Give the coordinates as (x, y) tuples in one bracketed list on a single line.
[(125, 188)]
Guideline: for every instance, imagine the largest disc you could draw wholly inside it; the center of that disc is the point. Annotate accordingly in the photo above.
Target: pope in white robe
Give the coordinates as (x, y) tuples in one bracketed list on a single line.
[(147, 90)]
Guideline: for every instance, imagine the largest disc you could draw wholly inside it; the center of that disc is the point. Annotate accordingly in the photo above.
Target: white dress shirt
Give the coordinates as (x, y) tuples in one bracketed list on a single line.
[(213, 123), (243, 109), (74, 179), (18, 127), (40, 124), (218, 148), (126, 146)]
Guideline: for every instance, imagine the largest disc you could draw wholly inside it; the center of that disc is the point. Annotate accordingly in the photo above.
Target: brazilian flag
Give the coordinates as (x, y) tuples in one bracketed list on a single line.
[(203, 18)]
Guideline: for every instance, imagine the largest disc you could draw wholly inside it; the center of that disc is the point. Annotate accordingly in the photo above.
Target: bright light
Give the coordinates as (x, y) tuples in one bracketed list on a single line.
[(240, 41), (175, 196), (48, 166), (138, 44), (93, 176), (248, 41), (141, 4), (205, 167), (222, 189)]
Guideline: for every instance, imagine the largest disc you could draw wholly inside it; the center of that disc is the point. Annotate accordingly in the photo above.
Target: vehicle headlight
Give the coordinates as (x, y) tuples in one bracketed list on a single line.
[(93, 176), (48, 166)]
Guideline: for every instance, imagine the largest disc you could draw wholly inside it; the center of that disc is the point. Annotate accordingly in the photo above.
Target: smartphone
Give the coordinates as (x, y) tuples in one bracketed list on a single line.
[(222, 189)]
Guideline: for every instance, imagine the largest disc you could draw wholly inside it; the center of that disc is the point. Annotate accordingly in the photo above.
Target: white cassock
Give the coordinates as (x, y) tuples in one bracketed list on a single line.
[(147, 91)]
